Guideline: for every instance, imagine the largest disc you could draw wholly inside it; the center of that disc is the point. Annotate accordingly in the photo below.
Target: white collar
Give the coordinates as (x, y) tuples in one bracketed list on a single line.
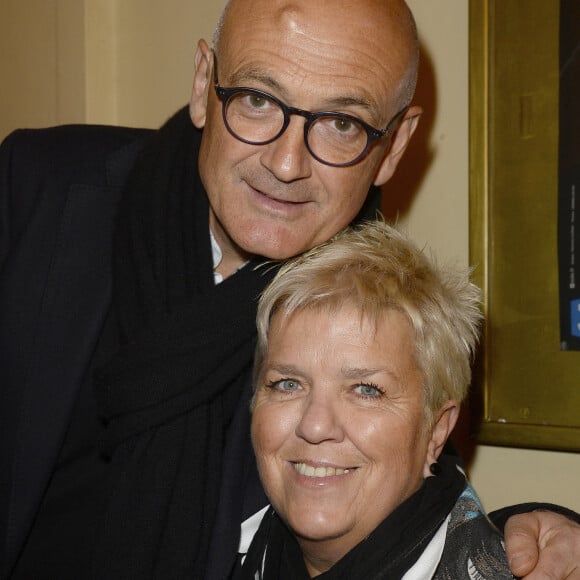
[(425, 567), (217, 256)]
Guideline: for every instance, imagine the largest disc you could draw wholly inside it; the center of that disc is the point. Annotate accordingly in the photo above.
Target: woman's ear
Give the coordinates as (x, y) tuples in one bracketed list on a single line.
[(444, 423), (201, 84), (398, 145)]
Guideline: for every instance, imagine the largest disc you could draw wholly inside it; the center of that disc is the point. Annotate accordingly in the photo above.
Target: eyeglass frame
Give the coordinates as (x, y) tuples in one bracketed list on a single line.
[(225, 94)]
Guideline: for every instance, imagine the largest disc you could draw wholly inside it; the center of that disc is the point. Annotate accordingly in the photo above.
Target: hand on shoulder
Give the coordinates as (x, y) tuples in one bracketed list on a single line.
[(543, 545)]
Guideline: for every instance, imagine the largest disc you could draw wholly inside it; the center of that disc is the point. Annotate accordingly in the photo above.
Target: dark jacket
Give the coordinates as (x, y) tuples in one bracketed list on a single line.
[(58, 193)]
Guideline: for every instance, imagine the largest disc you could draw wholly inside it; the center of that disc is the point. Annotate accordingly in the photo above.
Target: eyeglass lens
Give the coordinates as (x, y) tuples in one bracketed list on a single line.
[(256, 119)]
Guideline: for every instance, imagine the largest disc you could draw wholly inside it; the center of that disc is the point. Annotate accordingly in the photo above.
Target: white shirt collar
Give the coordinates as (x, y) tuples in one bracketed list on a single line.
[(217, 256)]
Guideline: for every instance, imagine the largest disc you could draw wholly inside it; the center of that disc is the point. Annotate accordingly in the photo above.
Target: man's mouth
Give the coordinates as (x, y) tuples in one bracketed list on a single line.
[(280, 199), (283, 199)]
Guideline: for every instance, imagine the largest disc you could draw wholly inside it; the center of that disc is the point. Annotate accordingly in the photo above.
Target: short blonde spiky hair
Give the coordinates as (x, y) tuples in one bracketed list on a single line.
[(374, 267)]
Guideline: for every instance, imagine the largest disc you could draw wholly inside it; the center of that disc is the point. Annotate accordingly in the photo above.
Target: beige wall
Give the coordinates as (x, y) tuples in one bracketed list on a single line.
[(98, 61), (41, 63), (130, 62)]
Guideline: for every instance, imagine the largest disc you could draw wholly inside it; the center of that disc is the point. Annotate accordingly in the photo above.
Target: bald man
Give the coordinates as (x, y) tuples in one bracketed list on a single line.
[(129, 286)]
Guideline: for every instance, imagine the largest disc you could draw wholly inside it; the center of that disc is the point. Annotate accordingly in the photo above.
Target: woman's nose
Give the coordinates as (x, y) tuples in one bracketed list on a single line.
[(321, 420)]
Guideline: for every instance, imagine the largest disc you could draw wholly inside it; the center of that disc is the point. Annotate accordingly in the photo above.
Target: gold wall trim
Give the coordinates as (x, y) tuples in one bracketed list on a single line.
[(529, 388)]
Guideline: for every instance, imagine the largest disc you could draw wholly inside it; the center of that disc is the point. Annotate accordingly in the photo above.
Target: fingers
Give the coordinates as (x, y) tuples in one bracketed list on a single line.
[(543, 546), (521, 543)]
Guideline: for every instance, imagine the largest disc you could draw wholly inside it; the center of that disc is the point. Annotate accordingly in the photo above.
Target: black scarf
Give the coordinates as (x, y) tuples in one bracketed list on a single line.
[(386, 554), (186, 350)]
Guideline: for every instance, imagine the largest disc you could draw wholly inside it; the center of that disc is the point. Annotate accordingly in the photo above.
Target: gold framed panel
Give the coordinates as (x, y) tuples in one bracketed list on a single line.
[(530, 389)]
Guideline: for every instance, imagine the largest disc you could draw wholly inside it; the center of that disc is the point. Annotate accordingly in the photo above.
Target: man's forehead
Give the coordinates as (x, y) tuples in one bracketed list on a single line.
[(331, 22), (331, 43)]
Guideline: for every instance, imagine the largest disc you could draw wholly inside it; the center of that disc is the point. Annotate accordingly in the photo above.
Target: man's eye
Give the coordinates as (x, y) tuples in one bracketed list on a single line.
[(340, 128), (257, 101), (343, 125), (368, 390)]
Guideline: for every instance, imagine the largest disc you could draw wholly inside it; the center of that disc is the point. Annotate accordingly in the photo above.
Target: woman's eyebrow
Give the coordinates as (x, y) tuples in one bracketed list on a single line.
[(283, 369), (361, 373)]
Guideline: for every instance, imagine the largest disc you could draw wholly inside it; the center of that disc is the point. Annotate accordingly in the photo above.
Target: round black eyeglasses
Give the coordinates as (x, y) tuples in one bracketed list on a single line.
[(336, 139)]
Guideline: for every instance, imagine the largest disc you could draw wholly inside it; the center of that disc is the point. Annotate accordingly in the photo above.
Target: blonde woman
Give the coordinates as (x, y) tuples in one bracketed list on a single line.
[(363, 358)]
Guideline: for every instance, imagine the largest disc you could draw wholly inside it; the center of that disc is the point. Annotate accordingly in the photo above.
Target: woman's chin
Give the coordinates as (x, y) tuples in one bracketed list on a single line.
[(319, 528)]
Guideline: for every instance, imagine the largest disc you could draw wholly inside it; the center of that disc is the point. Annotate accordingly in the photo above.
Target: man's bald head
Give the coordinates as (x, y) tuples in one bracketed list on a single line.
[(353, 60), (390, 23)]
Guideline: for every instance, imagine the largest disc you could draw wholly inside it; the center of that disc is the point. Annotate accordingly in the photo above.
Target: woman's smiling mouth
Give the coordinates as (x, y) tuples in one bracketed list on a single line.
[(321, 471)]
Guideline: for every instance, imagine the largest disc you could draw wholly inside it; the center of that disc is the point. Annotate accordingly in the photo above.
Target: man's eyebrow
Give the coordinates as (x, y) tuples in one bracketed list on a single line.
[(246, 77), (249, 76), (360, 102)]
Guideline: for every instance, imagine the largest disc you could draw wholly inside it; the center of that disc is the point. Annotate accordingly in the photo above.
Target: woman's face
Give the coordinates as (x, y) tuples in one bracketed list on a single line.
[(338, 426)]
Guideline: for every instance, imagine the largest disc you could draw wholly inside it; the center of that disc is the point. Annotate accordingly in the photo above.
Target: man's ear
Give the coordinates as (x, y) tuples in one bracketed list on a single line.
[(399, 143), (201, 84), (444, 423)]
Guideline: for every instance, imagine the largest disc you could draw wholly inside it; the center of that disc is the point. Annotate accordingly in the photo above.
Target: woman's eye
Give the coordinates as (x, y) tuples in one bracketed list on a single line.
[(285, 385), (368, 390)]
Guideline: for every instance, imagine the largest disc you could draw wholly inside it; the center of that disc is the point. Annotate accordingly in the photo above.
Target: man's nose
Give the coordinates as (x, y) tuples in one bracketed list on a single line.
[(287, 158)]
